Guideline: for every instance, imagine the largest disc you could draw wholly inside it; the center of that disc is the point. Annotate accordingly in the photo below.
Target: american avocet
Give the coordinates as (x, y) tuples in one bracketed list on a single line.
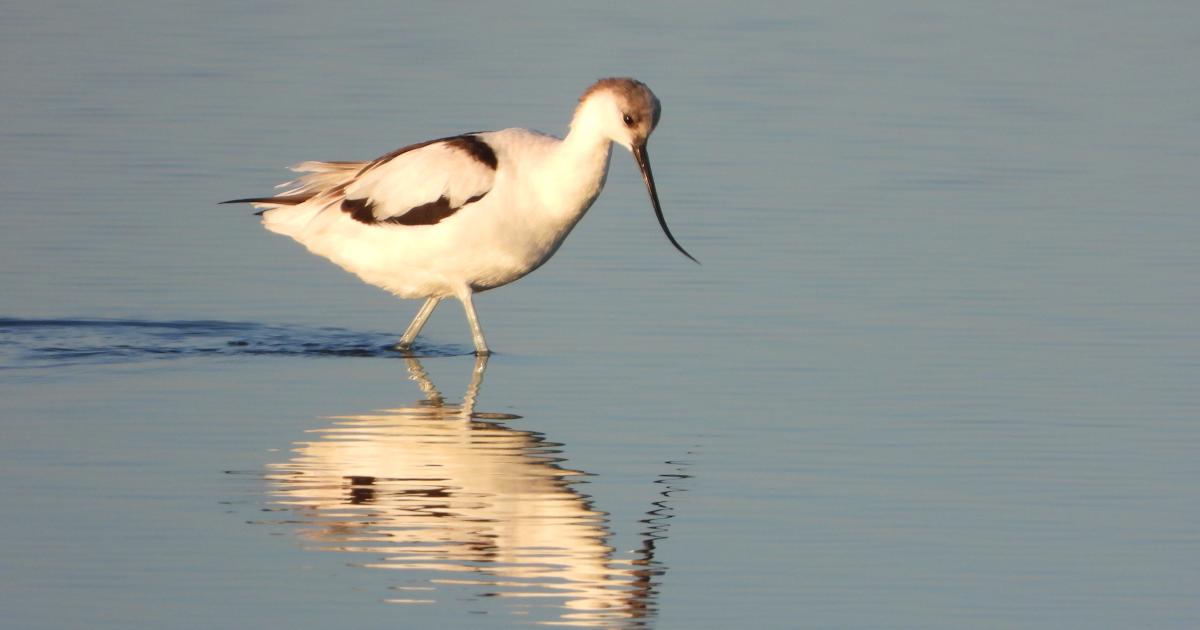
[(468, 213)]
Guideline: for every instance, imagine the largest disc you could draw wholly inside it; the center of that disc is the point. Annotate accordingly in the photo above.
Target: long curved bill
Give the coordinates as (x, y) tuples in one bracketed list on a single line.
[(643, 162)]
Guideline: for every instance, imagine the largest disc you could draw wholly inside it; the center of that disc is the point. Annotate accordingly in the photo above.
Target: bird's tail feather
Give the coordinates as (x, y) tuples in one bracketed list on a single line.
[(321, 184)]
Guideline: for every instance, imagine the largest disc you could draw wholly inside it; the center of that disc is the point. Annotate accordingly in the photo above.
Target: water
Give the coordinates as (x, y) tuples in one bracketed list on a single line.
[(938, 368)]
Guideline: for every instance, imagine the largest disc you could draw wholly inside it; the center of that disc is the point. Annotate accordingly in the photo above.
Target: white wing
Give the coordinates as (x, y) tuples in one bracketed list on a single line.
[(423, 183)]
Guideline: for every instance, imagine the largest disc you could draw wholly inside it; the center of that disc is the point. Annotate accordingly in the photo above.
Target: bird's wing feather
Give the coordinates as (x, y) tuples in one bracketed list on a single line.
[(422, 183)]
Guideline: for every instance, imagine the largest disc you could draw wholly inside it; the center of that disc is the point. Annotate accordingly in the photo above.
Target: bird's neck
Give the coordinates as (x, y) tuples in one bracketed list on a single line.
[(580, 167)]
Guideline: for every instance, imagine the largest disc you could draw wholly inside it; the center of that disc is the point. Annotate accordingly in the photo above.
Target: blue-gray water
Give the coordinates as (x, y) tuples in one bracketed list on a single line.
[(939, 368)]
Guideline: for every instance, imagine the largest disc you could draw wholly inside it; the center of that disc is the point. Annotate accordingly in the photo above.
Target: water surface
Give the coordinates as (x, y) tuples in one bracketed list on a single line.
[(937, 370)]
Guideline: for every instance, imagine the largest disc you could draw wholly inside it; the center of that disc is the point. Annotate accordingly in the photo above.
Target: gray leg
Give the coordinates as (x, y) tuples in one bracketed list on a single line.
[(418, 322), (476, 332)]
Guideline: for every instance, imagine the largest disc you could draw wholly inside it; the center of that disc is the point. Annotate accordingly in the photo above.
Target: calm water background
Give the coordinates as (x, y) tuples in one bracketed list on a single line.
[(938, 369)]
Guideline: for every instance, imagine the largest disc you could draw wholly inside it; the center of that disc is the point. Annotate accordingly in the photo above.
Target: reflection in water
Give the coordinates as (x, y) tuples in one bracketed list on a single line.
[(457, 500)]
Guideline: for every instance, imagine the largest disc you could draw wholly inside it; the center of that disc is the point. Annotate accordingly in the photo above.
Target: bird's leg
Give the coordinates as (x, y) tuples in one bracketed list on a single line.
[(481, 348), (418, 322)]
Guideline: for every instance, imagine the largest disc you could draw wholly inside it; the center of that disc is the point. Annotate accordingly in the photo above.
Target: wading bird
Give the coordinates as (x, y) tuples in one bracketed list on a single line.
[(464, 214)]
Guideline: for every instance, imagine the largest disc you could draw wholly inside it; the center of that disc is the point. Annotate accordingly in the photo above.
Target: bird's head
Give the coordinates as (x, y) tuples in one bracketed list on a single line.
[(626, 112)]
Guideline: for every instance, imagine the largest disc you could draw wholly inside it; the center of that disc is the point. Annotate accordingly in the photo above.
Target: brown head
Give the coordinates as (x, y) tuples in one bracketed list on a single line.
[(626, 111)]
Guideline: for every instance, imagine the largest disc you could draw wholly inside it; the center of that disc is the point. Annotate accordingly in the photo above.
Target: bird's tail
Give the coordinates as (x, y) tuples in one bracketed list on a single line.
[(322, 184)]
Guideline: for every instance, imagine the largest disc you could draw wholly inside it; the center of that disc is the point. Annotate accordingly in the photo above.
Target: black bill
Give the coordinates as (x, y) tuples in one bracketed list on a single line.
[(643, 162)]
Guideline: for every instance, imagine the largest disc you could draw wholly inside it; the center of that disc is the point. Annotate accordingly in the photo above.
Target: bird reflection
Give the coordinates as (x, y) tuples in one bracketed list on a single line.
[(456, 501)]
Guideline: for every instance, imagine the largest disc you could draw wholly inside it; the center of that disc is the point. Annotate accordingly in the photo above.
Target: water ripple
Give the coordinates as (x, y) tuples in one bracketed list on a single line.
[(26, 343)]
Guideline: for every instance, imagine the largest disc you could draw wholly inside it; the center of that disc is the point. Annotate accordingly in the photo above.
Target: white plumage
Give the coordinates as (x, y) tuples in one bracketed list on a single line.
[(459, 215)]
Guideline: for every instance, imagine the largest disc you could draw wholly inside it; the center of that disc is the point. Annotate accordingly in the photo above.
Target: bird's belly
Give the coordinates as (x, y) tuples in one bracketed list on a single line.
[(473, 251), (500, 253)]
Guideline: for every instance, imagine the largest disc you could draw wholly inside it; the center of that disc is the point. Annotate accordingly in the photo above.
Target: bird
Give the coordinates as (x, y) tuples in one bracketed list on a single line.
[(463, 214)]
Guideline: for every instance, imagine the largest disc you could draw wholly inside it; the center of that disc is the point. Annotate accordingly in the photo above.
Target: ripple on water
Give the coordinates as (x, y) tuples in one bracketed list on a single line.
[(32, 343)]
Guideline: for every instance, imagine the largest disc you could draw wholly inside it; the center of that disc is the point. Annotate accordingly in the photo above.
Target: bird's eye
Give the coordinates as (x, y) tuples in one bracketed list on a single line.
[(628, 120)]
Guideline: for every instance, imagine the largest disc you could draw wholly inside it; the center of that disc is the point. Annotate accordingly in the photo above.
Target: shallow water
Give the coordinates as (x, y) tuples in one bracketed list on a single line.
[(30, 343), (937, 369)]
